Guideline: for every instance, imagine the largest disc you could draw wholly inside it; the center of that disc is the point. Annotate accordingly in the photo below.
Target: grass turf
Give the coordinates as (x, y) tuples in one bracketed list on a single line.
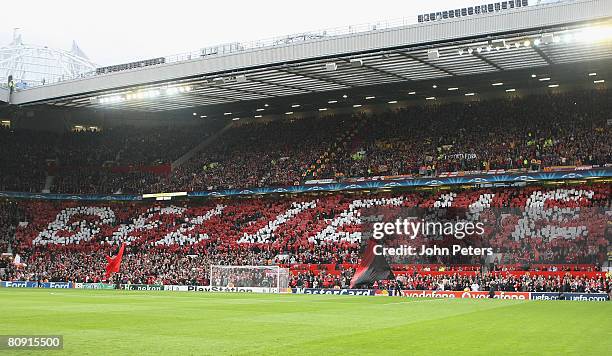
[(153, 322)]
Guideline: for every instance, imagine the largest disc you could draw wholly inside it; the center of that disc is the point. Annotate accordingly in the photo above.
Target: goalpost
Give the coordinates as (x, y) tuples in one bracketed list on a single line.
[(263, 279)]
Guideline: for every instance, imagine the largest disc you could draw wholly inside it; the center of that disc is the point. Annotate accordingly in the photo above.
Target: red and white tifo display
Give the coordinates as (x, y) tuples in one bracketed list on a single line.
[(302, 220), (68, 240)]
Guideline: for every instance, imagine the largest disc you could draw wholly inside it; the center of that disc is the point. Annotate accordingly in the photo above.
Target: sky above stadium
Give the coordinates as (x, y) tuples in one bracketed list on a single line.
[(115, 31)]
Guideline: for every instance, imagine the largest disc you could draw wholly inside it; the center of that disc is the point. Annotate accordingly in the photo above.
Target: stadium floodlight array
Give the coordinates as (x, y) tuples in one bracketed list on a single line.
[(472, 10), (143, 94), (585, 35), (270, 279)]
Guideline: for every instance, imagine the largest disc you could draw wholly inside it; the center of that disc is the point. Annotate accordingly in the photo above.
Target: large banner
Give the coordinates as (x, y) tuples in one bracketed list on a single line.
[(387, 182), (480, 178)]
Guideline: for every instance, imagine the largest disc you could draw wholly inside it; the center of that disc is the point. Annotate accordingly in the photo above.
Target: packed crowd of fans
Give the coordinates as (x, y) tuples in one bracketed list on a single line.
[(103, 181), (23, 157), (455, 282), (259, 154), (84, 265), (247, 277), (115, 159), (526, 133), (176, 243), (11, 215), (129, 146), (88, 160)]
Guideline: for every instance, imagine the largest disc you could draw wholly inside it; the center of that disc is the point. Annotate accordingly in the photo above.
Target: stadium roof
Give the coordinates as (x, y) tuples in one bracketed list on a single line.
[(564, 42)]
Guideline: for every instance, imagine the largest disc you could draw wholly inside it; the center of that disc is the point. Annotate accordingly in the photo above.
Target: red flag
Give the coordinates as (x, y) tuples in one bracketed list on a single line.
[(114, 262), (372, 268)]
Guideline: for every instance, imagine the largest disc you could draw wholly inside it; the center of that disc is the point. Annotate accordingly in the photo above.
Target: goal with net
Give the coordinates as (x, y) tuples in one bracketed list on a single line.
[(264, 279)]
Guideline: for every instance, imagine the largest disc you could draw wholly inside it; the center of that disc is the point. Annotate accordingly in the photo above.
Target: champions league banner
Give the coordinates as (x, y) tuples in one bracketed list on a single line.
[(481, 178)]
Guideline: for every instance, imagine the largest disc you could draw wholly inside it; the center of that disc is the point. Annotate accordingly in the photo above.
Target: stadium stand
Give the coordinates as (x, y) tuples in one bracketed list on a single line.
[(10, 215), (23, 159), (508, 134), (317, 237), (124, 159), (256, 155), (533, 132), (422, 140)]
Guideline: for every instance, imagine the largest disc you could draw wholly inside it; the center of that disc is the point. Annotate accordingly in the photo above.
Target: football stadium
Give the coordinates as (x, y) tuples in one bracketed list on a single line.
[(435, 184)]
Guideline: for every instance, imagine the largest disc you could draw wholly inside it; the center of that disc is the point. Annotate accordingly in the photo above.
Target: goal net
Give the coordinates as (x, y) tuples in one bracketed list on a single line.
[(264, 279)]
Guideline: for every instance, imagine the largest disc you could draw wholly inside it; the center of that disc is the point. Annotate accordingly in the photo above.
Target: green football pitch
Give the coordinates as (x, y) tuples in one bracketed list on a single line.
[(182, 323)]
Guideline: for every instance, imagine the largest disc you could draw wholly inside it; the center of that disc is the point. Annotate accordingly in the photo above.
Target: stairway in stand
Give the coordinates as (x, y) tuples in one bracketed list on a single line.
[(343, 142)]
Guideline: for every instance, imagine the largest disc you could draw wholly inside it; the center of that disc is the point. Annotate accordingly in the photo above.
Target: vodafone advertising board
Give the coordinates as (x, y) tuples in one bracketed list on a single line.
[(464, 294)]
